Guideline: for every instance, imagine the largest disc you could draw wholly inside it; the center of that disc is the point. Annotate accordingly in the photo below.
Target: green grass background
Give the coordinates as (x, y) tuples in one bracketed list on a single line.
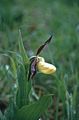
[(37, 20)]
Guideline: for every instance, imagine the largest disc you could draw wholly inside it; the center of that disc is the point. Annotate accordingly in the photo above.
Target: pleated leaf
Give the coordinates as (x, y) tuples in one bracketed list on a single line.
[(22, 49), (34, 110), (24, 87)]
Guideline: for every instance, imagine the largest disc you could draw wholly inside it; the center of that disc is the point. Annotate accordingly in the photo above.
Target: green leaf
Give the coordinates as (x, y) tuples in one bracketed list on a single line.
[(34, 110), (22, 49), (24, 87), (13, 65)]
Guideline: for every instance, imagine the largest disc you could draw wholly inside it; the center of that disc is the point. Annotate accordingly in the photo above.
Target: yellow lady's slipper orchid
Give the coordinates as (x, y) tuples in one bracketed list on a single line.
[(44, 67)]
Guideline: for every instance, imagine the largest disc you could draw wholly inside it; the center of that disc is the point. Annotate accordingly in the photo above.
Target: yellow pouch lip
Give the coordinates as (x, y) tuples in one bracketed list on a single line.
[(46, 68)]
